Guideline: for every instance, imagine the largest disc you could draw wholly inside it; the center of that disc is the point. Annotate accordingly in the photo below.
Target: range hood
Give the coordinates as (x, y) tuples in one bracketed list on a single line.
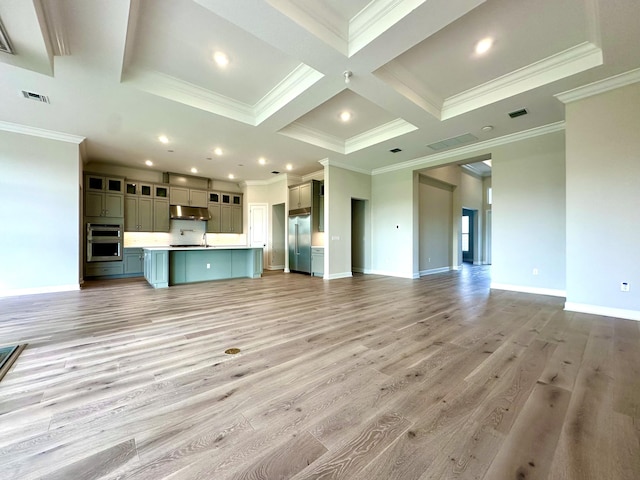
[(179, 212)]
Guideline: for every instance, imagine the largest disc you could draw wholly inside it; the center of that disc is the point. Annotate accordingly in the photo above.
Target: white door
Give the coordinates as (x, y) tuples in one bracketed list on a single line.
[(258, 227)]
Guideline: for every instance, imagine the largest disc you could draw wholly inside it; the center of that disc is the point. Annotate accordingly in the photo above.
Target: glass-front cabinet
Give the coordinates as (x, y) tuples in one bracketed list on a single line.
[(99, 183)]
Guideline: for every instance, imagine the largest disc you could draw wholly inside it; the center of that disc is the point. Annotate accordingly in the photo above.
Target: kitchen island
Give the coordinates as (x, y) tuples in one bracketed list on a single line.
[(165, 266)]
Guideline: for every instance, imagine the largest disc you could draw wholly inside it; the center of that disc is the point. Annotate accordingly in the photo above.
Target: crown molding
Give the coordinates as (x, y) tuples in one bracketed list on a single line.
[(313, 137), (187, 93), (601, 86), (278, 178), (556, 67), (333, 163), (379, 134), (55, 28), (296, 82), (318, 25), (41, 132), (393, 75), (375, 19), (438, 158)]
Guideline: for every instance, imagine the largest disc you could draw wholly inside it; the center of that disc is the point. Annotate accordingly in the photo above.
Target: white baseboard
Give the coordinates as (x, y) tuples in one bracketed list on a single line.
[(433, 271), (357, 270), (456, 267), (334, 276), (603, 311), (387, 273), (286, 270), (525, 289), (275, 267), (34, 291)]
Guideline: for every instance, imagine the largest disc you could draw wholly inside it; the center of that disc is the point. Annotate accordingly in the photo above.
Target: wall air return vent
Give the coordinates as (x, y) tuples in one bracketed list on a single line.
[(453, 142), (518, 113), (35, 96), (5, 44)]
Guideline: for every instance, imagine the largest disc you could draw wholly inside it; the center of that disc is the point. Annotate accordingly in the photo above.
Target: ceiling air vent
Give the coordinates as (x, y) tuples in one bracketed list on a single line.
[(275, 172), (453, 142), (395, 150), (518, 113), (5, 45), (35, 96)]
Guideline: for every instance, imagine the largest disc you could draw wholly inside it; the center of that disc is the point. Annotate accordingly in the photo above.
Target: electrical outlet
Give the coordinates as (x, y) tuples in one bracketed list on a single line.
[(535, 271), (624, 287), (208, 265)]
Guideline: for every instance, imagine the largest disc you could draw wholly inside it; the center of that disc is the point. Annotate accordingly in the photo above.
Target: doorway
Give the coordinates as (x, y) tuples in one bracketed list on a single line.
[(278, 234), (357, 235), (468, 233)]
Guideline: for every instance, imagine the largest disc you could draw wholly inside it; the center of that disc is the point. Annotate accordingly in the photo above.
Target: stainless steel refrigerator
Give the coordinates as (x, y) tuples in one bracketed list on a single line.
[(300, 243)]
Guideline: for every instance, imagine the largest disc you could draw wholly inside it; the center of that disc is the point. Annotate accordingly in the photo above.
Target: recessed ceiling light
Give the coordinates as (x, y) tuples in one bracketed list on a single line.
[(163, 139), (148, 163), (484, 45), (289, 166), (231, 176), (217, 151), (221, 59), (194, 170), (262, 161), (345, 116)]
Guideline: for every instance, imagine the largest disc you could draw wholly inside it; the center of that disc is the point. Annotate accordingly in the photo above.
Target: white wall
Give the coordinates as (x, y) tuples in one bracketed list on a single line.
[(603, 203), (393, 224), (531, 184), (528, 229), (39, 214), (340, 187)]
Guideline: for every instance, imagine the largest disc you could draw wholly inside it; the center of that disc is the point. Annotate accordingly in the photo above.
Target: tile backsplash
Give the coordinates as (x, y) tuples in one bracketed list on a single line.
[(182, 232)]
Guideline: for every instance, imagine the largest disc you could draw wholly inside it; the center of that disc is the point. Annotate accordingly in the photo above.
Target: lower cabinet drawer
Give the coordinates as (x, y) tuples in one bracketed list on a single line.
[(100, 269)]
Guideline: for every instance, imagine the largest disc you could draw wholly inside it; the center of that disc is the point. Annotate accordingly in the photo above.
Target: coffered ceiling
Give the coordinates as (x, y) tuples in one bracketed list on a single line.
[(123, 72)]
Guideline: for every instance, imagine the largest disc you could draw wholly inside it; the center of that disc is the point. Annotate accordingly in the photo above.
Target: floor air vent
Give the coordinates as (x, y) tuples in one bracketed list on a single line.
[(35, 96), (518, 113)]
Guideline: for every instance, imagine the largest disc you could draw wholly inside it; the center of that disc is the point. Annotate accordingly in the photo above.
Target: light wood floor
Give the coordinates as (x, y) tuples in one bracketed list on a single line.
[(361, 378)]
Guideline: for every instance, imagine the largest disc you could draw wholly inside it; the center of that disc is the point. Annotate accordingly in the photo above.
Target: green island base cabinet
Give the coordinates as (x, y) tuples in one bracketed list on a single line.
[(176, 266), (156, 267)]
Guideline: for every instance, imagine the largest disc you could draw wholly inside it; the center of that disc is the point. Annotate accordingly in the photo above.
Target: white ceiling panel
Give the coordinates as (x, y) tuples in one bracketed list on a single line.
[(120, 73)]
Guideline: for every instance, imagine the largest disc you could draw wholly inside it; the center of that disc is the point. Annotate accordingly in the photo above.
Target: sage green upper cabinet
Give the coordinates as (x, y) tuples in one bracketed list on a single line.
[(188, 197), (161, 191), (300, 196), (138, 215), (103, 205), (161, 215), (213, 224), (225, 210), (230, 219), (103, 196), (100, 183)]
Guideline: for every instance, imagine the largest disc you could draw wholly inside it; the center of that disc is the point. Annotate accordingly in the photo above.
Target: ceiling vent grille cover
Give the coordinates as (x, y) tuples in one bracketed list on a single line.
[(35, 96), (453, 142), (518, 113)]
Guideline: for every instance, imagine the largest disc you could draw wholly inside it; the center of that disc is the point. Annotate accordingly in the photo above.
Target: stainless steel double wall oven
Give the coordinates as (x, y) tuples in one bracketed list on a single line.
[(104, 242)]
